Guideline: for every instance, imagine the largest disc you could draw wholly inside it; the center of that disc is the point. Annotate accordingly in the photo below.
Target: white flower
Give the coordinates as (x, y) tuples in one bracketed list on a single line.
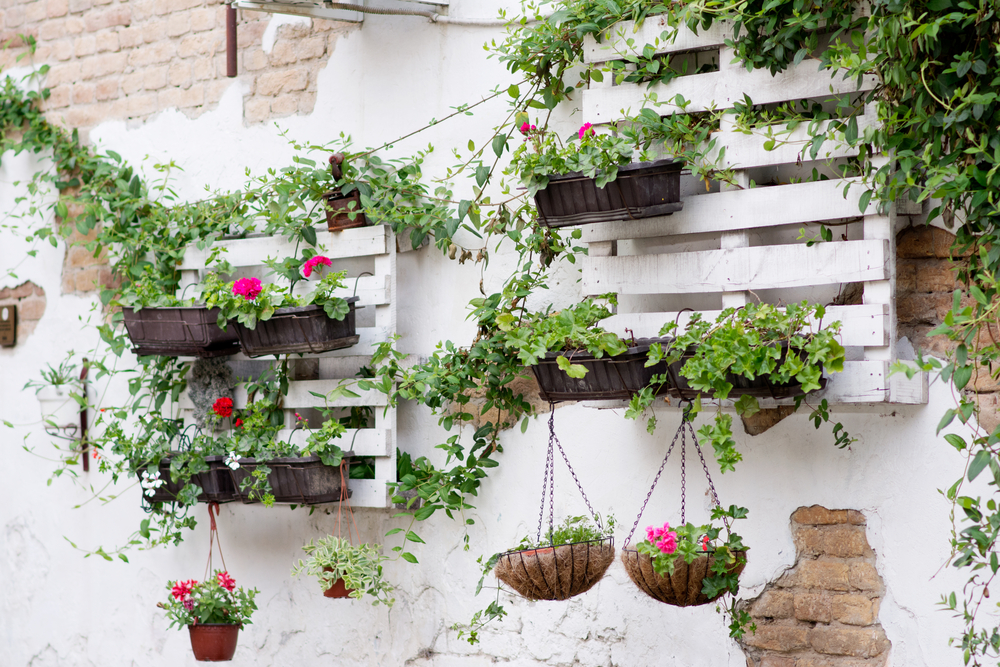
[(151, 482), (232, 460)]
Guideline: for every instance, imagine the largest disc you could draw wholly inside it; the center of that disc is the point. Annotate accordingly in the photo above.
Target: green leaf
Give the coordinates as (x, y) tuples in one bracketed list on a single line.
[(866, 197), (413, 537), (514, 91), (747, 406), (499, 143), (979, 463), (408, 557), (956, 441), (309, 235)]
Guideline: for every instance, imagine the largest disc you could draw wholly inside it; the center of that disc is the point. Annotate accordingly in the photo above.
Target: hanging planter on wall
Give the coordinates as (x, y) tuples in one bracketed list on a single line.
[(642, 190), (304, 480), (566, 561), (301, 329), (216, 483), (607, 378), (189, 331), (688, 565), (340, 206)]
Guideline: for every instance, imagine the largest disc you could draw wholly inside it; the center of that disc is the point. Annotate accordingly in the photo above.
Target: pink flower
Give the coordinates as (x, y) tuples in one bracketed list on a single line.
[(182, 589), (189, 604), (248, 288), (226, 581), (313, 262), (587, 127), (527, 128), (668, 544)]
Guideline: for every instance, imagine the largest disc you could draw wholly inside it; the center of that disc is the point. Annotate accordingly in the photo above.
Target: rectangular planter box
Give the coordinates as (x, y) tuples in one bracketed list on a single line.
[(299, 330), (759, 387), (179, 332), (642, 190), (216, 483), (338, 208), (607, 378), (300, 481)]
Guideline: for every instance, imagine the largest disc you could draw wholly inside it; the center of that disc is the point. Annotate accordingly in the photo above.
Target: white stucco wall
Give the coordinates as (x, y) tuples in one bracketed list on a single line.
[(60, 609)]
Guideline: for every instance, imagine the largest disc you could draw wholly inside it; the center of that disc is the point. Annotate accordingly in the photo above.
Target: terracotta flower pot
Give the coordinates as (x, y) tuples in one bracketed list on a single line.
[(339, 589), (213, 642)]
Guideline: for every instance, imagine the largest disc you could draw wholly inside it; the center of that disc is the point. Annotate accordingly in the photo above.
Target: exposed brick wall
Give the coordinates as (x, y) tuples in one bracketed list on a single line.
[(823, 612), (122, 59), (30, 301)]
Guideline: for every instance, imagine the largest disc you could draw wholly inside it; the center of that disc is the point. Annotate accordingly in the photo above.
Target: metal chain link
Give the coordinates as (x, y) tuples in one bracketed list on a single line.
[(711, 484), (653, 486), (549, 463), (578, 485), (683, 474)]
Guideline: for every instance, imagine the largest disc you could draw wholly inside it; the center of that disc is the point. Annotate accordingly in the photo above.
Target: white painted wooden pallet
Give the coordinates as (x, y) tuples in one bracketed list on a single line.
[(378, 292), (733, 214)]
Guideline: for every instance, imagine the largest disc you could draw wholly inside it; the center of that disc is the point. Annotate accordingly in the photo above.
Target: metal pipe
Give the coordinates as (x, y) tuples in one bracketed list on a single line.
[(230, 41), (84, 449)]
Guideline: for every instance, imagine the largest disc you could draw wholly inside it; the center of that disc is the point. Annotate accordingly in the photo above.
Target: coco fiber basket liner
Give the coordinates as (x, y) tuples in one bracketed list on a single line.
[(556, 573), (683, 587)]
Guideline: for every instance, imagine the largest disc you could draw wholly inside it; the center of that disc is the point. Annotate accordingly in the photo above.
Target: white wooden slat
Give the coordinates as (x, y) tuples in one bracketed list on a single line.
[(369, 492), (614, 40), (358, 242), (299, 397), (861, 325), (318, 11), (743, 151), (793, 204), (907, 391), (720, 90), (363, 441), (755, 268), (370, 290)]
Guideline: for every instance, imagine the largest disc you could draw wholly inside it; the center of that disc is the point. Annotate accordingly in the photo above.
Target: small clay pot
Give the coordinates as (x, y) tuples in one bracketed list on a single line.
[(213, 642), (338, 590)]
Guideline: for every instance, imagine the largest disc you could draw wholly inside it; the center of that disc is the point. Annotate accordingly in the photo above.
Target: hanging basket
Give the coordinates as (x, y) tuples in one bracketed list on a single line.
[(607, 378), (641, 190), (214, 642), (216, 483), (189, 331), (337, 589), (299, 481), (556, 573), (299, 330), (683, 587)]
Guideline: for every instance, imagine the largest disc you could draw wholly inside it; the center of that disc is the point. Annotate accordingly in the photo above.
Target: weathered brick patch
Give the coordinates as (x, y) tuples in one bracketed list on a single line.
[(823, 612), (30, 301)]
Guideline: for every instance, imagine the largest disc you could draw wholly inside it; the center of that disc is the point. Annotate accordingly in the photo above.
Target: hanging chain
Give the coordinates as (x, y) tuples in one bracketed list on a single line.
[(549, 465), (578, 485), (711, 484), (683, 473), (650, 492)]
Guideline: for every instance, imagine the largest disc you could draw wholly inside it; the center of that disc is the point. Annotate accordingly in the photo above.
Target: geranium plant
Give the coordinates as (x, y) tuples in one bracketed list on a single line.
[(595, 155), (359, 565), (216, 600)]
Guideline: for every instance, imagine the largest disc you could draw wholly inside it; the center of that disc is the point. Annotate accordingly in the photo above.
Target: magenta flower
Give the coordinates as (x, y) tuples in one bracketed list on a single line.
[(248, 288), (587, 127), (182, 589), (668, 544), (312, 263), (527, 128), (226, 581)]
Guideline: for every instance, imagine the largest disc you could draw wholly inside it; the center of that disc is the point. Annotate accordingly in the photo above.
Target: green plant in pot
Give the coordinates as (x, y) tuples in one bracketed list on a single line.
[(345, 569), (213, 610)]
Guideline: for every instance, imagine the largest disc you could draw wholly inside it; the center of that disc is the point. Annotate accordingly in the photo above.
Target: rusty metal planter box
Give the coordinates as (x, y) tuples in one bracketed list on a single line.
[(302, 329), (189, 331), (642, 190), (300, 481), (607, 378)]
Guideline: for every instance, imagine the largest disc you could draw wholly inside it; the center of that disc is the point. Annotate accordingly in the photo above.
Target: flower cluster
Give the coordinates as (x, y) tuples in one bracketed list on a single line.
[(215, 600), (664, 538), (585, 129), (311, 263), (150, 481), (226, 581), (223, 407), (527, 127), (248, 288)]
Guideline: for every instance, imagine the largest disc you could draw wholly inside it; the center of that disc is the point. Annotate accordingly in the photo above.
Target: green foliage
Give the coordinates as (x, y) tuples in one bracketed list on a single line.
[(360, 566), (573, 529), (193, 602)]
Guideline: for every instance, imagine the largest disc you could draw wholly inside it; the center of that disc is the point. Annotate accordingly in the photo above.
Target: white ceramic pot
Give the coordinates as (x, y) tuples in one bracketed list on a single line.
[(60, 411)]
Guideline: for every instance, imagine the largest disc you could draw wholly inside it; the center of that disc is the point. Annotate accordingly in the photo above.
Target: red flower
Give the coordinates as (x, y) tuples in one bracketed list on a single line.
[(182, 589), (704, 543), (226, 581), (239, 423), (223, 407)]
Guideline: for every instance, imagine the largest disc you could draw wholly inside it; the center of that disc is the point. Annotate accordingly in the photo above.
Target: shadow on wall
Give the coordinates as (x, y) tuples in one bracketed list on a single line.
[(823, 611)]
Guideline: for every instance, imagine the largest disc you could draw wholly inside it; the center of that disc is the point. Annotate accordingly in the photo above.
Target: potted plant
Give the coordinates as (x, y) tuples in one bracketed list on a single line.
[(569, 559), (265, 469), (343, 205), (690, 565), (346, 570), (214, 611), (591, 178), (60, 397), (269, 319), (573, 358), (160, 324)]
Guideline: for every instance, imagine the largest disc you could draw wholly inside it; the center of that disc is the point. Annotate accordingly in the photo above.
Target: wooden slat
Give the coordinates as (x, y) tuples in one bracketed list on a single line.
[(369, 493), (861, 325), (720, 90), (614, 40), (370, 290), (907, 391), (299, 397), (363, 442), (755, 268), (358, 242), (794, 204)]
